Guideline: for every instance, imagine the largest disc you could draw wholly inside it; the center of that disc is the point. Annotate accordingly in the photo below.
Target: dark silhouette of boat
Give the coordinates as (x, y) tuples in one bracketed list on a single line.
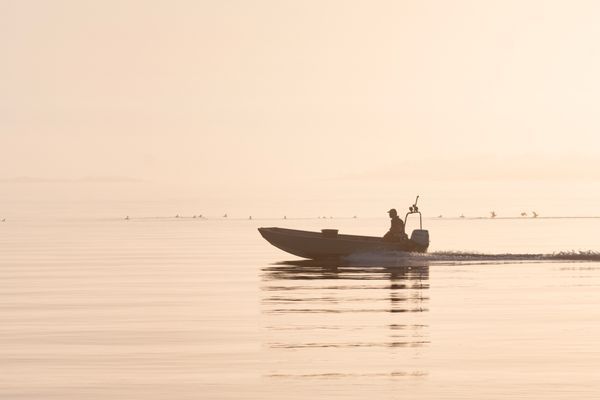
[(330, 244)]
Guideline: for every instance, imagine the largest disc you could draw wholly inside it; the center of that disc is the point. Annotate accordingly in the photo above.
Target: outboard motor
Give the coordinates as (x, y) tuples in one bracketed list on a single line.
[(421, 237)]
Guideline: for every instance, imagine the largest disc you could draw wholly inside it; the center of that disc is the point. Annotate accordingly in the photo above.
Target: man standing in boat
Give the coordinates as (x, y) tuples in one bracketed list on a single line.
[(396, 232)]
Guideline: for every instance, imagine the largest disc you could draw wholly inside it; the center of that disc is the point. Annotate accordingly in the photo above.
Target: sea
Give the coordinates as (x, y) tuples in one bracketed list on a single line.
[(183, 307)]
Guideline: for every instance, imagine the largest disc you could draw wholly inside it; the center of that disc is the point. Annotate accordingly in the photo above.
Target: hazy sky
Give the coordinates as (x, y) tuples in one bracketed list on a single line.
[(237, 94)]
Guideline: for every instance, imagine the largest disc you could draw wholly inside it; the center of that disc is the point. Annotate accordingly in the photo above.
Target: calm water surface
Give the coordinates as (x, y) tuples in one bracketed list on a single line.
[(206, 309)]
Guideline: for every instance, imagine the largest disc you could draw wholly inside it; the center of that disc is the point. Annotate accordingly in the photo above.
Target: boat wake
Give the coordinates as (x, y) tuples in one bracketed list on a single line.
[(399, 258)]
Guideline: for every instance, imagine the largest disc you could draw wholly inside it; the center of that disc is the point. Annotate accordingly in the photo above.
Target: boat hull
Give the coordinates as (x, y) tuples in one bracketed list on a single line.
[(317, 245)]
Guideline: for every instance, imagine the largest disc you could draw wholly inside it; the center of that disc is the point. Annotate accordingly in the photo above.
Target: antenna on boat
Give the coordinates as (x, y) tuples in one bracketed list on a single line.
[(414, 208)]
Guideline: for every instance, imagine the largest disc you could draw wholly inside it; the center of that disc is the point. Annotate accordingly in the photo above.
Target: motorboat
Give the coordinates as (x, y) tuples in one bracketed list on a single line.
[(329, 243)]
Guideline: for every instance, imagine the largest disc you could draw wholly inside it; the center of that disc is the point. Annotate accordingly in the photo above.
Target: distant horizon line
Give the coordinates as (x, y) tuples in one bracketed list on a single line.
[(285, 218), (91, 178)]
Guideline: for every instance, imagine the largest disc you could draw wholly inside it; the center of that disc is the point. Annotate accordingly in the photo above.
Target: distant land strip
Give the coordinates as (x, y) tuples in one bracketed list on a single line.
[(32, 179)]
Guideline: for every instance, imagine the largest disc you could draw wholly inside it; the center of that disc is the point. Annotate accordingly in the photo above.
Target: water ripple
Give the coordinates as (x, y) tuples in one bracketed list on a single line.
[(302, 311)]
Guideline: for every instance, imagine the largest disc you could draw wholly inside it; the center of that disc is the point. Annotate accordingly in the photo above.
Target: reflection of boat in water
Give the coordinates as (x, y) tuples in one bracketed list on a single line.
[(324, 270), (348, 289), (310, 304), (329, 244)]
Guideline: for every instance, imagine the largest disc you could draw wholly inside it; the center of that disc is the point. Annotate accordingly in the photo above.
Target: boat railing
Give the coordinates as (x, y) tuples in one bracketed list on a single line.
[(414, 209)]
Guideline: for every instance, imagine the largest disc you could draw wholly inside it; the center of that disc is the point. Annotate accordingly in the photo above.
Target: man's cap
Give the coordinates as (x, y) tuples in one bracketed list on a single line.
[(392, 210)]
